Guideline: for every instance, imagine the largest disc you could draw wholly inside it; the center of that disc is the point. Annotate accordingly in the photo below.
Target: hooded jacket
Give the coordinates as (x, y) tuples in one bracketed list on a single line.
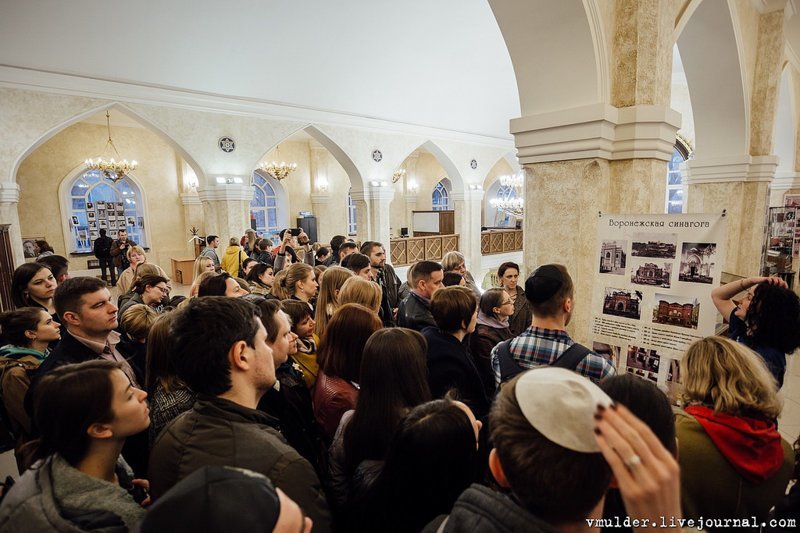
[(479, 509), (731, 467), (232, 259)]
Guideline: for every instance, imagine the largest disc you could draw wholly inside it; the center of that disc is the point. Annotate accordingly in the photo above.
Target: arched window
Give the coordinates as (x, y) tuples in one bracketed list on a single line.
[(264, 206), (96, 203), (440, 199), (352, 226), (674, 196)]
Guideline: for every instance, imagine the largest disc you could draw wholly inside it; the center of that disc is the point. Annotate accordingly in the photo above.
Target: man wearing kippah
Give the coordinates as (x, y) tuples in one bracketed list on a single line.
[(549, 291)]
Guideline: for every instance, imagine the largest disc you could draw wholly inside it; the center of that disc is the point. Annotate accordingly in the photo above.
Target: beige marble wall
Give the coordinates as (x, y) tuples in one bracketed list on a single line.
[(637, 186), (748, 16), (561, 215), (42, 171), (764, 102), (642, 53)]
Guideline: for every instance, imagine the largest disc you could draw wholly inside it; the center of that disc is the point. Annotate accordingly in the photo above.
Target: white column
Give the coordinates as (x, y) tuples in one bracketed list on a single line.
[(374, 202), (9, 214), (468, 207), (227, 207), (193, 216)]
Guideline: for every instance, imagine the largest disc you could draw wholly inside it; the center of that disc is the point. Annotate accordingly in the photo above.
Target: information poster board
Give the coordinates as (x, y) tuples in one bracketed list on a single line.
[(652, 291)]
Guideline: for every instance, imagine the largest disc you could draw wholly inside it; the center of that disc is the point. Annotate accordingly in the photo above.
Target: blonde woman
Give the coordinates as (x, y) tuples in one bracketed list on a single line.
[(279, 286), (734, 463), (249, 241), (299, 283), (202, 264), (136, 257), (455, 262), (357, 290), (327, 301)]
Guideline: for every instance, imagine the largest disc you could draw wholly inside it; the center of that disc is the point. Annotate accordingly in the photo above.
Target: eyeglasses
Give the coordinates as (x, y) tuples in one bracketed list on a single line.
[(507, 302), (164, 290)]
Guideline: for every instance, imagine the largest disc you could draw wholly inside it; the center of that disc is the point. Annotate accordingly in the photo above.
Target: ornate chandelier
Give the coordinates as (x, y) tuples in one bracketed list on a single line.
[(509, 197), (398, 175), (114, 169), (279, 171)]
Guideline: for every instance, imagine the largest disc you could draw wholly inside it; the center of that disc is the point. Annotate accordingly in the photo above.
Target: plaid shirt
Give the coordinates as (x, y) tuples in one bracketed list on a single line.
[(538, 347)]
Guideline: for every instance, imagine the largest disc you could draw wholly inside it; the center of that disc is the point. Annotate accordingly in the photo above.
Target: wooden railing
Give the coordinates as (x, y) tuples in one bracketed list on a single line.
[(501, 241), (412, 249)]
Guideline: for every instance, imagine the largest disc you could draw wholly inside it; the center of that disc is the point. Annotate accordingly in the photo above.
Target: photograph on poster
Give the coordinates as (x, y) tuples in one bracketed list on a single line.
[(622, 302), (112, 224), (75, 220), (120, 206), (120, 212), (652, 376), (643, 359), (29, 246), (654, 245), (656, 274), (112, 234), (90, 206), (101, 205), (131, 221), (101, 213), (102, 224), (609, 351), (612, 257), (91, 215), (791, 200), (676, 310), (92, 224), (94, 235), (697, 262)]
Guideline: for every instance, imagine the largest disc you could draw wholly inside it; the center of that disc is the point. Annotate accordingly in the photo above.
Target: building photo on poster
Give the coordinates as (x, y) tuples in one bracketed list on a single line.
[(651, 297)]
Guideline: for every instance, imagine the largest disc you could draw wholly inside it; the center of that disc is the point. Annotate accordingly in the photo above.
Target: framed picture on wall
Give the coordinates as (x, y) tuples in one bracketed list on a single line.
[(75, 221), (94, 235), (102, 224), (131, 221), (90, 206), (120, 212), (112, 224), (101, 213), (29, 246), (92, 224), (112, 234), (91, 215), (101, 205), (120, 206)]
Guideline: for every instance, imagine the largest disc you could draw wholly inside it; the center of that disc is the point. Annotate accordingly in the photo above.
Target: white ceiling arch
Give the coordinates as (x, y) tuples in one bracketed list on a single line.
[(415, 62)]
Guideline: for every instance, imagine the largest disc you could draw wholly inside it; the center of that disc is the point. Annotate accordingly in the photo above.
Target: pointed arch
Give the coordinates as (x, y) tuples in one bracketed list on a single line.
[(785, 133), (118, 106), (709, 41), (338, 153), (456, 179)]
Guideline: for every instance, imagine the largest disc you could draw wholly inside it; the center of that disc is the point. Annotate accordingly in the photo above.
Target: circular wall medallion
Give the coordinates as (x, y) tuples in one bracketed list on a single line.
[(377, 156), (226, 144), (473, 164)]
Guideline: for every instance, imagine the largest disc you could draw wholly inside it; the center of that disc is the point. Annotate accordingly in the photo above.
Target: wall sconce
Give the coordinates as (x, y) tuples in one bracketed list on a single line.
[(322, 185), (412, 186), (475, 187), (190, 183), (376, 183)]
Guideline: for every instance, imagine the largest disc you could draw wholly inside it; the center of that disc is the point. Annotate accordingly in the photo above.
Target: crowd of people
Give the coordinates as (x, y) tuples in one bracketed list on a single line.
[(304, 387)]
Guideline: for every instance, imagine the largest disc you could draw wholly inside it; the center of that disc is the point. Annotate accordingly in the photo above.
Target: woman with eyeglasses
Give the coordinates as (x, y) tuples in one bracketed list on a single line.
[(508, 273), (149, 290), (766, 318), (494, 310)]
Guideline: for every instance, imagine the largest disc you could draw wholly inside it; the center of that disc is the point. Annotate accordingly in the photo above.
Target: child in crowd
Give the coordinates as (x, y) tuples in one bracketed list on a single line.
[(307, 341)]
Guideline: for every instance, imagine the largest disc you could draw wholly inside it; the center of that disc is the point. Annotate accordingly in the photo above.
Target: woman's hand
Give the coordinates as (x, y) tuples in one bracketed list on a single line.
[(648, 475), (145, 485)]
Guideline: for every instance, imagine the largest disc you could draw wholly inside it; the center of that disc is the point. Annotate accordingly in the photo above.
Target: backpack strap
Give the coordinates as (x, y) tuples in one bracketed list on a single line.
[(508, 367), (572, 357)]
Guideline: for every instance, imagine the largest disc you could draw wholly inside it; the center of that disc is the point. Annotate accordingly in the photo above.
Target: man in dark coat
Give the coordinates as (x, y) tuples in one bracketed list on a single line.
[(230, 366), (415, 311), (102, 251)]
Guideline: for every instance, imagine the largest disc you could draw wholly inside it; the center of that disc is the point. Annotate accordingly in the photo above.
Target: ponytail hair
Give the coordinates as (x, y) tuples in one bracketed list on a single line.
[(279, 289), (14, 324)]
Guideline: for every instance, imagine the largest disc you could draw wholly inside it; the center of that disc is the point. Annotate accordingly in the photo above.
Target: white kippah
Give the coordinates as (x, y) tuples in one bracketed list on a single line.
[(561, 404)]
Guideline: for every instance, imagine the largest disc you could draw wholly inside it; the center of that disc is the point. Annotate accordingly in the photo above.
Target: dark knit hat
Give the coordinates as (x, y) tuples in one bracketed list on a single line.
[(543, 284), (216, 499)]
